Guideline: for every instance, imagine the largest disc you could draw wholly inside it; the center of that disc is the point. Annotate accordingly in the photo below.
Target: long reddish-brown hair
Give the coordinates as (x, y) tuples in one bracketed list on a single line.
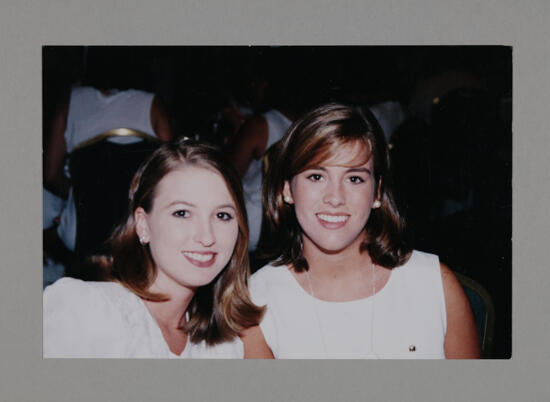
[(311, 140), (218, 311)]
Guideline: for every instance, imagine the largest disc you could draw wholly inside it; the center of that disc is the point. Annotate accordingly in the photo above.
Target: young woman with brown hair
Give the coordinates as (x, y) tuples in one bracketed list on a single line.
[(178, 269), (344, 282)]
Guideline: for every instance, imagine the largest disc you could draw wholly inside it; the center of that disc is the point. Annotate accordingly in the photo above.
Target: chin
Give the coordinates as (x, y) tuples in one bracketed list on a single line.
[(198, 279), (336, 244), (329, 247), (334, 249), (194, 283)]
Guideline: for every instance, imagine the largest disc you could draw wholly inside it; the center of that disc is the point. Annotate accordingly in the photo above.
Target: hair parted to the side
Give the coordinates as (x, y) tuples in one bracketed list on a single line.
[(218, 311), (311, 140)]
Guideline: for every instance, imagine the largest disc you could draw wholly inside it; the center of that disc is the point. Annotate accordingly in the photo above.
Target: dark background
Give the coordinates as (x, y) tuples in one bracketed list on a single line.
[(454, 145)]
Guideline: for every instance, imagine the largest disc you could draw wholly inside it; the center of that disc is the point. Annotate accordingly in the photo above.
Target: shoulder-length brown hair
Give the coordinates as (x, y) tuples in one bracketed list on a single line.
[(218, 311), (311, 140)]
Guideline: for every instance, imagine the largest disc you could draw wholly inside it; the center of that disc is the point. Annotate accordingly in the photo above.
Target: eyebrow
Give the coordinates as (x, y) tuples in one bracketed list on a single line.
[(190, 204), (181, 202), (316, 168), (226, 206), (358, 170), (350, 170)]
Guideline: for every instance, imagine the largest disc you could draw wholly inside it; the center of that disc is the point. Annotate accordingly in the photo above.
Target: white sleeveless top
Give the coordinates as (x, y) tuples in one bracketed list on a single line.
[(407, 317), (92, 113), (104, 319), (277, 124)]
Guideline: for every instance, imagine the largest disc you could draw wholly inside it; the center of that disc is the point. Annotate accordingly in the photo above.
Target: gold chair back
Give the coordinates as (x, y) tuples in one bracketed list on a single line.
[(117, 132)]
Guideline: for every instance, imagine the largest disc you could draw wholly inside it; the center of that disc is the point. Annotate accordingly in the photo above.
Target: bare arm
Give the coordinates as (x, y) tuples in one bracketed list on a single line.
[(248, 144), (255, 346), (461, 340), (160, 121), (55, 152)]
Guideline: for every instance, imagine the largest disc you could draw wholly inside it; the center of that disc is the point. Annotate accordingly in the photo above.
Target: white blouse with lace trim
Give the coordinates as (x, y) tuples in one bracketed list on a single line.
[(106, 320)]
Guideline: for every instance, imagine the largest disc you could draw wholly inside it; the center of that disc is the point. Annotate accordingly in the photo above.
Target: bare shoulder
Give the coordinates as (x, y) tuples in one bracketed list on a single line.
[(160, 120), (255, 124), (248, 144), (254, 131), (461, 339), (455, 298), (450, 281)]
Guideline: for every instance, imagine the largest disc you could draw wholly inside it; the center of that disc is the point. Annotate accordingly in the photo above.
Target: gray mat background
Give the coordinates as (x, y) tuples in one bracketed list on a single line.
[(25, 26)]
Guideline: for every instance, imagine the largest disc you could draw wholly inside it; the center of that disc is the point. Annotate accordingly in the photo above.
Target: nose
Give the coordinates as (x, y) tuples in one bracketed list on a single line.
[(334, 194), (204, 233)]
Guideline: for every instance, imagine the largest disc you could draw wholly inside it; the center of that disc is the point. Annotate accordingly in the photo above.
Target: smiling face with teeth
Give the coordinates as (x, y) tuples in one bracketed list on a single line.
[(333, 200), (191, 229)]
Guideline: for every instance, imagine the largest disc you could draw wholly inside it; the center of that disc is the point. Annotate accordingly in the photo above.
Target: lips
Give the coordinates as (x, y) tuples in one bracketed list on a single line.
[(200, 259), (332, 221)]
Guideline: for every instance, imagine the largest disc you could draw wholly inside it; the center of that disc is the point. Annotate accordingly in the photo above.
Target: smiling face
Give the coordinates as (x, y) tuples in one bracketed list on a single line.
[(191, 229), (333, 200)]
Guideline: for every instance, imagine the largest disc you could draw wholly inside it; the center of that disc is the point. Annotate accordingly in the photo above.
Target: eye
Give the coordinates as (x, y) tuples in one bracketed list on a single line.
[(356, 179), (181, 213), (315, 177), (224, 216)]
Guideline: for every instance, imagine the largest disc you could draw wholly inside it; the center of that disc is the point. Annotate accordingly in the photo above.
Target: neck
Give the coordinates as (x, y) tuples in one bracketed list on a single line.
[(335, 264), (343, 276), (170, 313)]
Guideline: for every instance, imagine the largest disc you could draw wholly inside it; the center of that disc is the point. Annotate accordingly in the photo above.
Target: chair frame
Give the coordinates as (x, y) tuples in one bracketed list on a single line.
[(117, 132)]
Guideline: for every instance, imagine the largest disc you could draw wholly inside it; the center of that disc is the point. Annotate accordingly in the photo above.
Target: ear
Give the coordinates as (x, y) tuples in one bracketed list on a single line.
[(287, 194), (142, 226), (379, 190)]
